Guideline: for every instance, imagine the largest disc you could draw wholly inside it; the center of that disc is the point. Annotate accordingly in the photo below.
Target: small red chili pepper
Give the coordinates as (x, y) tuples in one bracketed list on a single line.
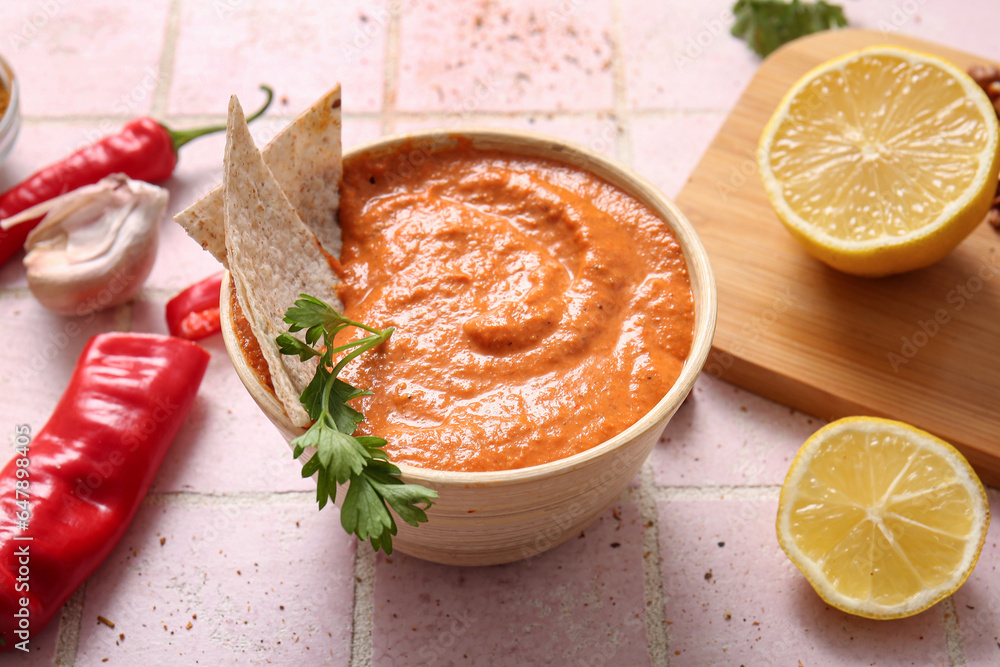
[(194, 313), (76, 486), (144, 150)]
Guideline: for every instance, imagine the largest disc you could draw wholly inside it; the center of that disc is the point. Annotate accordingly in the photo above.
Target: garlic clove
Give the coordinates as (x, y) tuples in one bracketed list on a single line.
[(95, 247)]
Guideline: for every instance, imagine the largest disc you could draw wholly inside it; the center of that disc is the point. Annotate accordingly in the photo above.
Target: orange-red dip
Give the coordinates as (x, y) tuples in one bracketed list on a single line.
[(538, 309)]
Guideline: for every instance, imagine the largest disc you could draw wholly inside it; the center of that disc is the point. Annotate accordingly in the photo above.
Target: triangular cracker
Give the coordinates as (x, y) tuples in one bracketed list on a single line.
[(273, 257), (305, 158)]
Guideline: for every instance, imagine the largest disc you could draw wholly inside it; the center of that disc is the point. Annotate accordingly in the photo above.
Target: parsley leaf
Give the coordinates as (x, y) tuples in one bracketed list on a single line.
[(340, 457), (767, 24)]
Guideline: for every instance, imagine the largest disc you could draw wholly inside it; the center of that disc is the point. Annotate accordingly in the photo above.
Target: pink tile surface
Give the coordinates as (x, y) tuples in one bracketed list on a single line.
[(42, 143), (957, 25), (36, 360), (180, 260), (583, 601), (262, 576), (680, 55), (226, 445), (505, 55), (723, 435), (599, 133), (977, 603), (41, 648), (223, 584), (85, 58), (732, 597), (301, 48), (666, 149)]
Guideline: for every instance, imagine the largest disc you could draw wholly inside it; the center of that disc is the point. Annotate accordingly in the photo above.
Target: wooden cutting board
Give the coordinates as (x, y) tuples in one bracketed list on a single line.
[(923, 347)]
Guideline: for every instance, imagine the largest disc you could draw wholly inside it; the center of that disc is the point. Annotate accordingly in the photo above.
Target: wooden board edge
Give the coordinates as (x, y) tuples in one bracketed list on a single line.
[(780, 388)]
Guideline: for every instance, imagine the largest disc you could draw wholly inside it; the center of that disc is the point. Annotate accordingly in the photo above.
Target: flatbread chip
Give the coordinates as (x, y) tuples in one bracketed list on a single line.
[(273, 257), (305, 158)]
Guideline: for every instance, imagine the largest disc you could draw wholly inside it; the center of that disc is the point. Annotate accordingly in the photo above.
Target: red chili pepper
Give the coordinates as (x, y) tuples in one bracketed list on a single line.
[(194, 313), (144, 150), (85, 473)]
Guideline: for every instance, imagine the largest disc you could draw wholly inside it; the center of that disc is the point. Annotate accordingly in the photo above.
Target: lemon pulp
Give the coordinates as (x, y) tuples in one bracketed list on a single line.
[(881, 161), (882, 518)]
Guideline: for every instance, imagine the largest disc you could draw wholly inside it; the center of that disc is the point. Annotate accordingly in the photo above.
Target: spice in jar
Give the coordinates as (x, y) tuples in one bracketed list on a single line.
[(4, 99)]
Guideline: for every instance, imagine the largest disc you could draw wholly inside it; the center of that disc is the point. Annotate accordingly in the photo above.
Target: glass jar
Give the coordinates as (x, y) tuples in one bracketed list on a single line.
[(10, 119)]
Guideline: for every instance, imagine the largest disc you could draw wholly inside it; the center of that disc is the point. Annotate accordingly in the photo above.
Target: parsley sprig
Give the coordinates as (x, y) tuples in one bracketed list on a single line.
[(340, 456), (767, 24)]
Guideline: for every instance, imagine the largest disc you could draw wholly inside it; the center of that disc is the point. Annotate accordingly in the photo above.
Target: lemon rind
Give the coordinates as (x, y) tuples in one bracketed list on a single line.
[(812, 571), (860, 252)]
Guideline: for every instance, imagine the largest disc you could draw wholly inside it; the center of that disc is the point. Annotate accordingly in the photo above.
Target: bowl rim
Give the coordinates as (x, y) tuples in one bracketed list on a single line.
[(695, 256), (10, 82)]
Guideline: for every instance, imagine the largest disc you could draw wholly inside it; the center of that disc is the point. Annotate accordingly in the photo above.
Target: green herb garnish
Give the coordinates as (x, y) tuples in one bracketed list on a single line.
[(340, 456), (767, 24)]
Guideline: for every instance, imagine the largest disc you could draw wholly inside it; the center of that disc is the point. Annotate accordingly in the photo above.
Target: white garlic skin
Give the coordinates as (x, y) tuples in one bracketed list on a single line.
[(96, 246)]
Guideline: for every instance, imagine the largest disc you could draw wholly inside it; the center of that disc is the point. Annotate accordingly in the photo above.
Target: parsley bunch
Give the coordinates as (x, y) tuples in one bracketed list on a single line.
[(340, 456), (767, 24)]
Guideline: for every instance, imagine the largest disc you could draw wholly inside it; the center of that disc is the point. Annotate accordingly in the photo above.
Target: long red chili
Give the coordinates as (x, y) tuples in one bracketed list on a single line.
[(144, 150), (194, 313), (69, 494)]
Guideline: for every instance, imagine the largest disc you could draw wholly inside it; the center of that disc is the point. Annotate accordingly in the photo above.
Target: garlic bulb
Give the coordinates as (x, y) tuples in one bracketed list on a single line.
[(96, 245)]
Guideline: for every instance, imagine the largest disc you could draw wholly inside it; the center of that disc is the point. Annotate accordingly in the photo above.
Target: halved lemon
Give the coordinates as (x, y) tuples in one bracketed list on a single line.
[(883, 519), (882, 160)]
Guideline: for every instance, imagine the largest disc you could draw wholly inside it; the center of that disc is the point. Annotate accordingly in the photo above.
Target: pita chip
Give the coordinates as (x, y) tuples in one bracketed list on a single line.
[(305, 158), (273, 257)]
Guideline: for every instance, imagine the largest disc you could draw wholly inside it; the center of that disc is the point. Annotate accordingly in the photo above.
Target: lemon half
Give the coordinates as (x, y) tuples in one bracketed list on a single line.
[(883, 519), (882, 160)]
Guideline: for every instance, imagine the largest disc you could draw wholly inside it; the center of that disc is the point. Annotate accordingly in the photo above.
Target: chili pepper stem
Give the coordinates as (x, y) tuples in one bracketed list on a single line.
[(181, 137)]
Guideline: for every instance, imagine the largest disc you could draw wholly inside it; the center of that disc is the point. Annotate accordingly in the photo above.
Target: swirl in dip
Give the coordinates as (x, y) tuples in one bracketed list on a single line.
[(538, 309)]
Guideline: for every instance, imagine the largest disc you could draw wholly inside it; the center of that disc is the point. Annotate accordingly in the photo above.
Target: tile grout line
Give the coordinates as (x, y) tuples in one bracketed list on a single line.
[(70, 622), (364, 559), (171, 34), (652, 490), (18, 292), (657, 637), (429, 116), (244, 498), (123, 316), (721, 492), (390, 78), (364, 606), (620, 101), (952, 633), (189, 118), (71, 618)]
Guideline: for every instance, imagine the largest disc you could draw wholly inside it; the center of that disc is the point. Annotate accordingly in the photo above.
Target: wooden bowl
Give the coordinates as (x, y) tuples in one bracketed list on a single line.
[(486, 518)]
